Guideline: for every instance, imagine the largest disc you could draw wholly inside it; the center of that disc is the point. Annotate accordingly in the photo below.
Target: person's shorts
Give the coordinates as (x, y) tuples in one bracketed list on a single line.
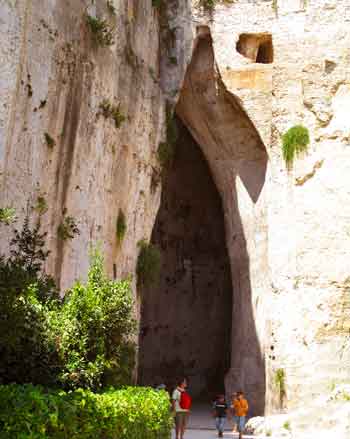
[(240, 421), (181, 419)]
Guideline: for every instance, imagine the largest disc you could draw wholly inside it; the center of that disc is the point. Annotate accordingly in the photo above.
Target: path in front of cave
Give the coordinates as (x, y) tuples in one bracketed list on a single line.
[(201, 426)]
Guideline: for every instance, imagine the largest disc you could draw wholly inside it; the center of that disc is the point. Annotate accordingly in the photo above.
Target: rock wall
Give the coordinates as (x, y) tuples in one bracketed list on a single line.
[(303, 323), (55, 142)]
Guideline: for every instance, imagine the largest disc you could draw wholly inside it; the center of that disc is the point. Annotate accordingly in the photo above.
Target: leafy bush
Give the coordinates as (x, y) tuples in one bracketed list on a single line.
[(121, 226), (93, 329), (30, 412), (294, 142), (112, 111), (102, 33), (41, 205), (27, 354), (82, 341), (67, 229), (148, 264), (7, 215)]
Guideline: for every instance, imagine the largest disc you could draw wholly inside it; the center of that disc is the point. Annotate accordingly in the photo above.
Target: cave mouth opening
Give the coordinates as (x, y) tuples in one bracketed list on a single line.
[(257, 47), (186, 318)]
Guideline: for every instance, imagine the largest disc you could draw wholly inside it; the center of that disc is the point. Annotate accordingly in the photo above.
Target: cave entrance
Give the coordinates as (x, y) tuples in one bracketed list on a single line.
[(186, 319)]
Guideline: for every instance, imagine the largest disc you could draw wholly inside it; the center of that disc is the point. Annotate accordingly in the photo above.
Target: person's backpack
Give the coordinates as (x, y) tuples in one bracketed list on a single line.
[(185, 400)]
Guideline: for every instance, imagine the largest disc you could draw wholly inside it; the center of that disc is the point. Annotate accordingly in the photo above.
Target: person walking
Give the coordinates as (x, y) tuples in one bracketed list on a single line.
[(234, 418), (240, 406), (181, 404), (220, 412)]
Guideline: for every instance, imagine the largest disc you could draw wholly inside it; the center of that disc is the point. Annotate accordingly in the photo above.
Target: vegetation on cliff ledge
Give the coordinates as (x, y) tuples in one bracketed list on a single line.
[(294, 142)]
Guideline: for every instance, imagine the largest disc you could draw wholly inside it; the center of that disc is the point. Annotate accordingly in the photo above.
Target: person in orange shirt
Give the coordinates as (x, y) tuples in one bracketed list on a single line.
[(240, 407)]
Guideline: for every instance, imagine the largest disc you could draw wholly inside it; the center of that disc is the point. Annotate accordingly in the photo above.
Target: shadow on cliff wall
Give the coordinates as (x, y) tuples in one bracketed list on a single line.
[(193, 300), (238, 162)]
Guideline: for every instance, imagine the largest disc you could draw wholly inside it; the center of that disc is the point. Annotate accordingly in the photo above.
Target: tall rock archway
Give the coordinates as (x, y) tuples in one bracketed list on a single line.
[(238, 161), (186, 318)]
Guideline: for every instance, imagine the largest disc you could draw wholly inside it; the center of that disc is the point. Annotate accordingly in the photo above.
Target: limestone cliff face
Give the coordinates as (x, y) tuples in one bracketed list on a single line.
[(55, 142), (254, 70), (285, 63)]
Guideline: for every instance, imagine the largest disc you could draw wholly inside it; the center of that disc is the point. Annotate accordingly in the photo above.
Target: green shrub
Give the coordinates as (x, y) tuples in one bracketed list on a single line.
[(121, 226), (7, 215), (67, 229), (294, 142), (27, 353), (31, 412), (112, 111), (84, 340), (41, 205), (94, 329), (102, 33), (148, 264)]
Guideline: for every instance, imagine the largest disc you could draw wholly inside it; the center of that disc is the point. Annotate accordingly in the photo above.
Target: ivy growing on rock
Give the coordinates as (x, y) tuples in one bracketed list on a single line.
[(67, 229), (294, 142), (113, 112), (7, 215), (121, 226), (101, 31)]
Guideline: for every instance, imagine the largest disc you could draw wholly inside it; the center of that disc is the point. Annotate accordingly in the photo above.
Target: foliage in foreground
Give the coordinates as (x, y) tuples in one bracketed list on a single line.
[(27, 353), (82, 341), (30, 412), (94, 328)]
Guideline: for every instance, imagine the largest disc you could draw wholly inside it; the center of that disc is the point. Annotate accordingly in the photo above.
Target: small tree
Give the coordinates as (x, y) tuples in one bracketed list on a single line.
[(95, 329), (27, 353)]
